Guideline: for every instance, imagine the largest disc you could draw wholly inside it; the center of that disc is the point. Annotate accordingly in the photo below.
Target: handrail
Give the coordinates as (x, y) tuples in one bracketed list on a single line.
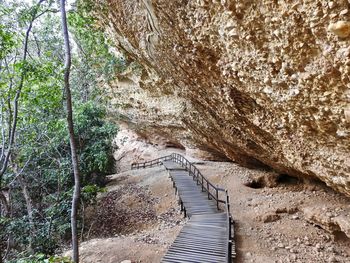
[(150, 163), (206, 186)]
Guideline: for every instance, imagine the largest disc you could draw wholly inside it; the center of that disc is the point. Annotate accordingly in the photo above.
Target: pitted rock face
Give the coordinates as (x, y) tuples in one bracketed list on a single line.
[(260, 82)]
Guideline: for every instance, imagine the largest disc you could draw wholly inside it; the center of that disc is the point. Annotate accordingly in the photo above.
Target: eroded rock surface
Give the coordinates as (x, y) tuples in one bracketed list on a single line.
[(259, 82), (332, 220)]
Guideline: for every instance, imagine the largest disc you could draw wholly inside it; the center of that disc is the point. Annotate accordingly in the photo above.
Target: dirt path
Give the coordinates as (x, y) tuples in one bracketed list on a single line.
[(280, 220)]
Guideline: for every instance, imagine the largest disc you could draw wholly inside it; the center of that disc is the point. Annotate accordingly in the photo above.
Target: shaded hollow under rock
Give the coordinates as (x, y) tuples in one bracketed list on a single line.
[(256, 183), (272, 181), (287, 179)]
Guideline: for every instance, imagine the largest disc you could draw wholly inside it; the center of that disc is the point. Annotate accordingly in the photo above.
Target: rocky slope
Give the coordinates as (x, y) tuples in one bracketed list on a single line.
[(258, 82)]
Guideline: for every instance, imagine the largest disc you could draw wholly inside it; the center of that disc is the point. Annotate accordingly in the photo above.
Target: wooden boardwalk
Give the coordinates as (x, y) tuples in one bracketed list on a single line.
[(208, 235), (204, 238)]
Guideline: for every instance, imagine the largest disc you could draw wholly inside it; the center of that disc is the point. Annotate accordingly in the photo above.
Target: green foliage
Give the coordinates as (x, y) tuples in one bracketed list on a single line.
[(41, 151), (94, 49), (42, 258), (89, 193), (7, 42), (95, 137)]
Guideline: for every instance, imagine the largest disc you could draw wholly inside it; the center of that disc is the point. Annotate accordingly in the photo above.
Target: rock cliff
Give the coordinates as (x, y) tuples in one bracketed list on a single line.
[(258, 82)]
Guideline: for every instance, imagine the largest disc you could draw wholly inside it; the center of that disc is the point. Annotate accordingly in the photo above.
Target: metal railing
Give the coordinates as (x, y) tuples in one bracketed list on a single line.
[(151, 163), (212, 190)]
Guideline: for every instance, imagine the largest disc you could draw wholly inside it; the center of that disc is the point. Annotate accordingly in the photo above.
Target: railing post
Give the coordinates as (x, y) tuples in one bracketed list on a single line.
[(208, 189), (229, 251), (202, 184), (217, 198)]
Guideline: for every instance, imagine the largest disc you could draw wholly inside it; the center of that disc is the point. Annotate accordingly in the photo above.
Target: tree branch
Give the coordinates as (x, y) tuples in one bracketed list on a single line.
[(3, 139)]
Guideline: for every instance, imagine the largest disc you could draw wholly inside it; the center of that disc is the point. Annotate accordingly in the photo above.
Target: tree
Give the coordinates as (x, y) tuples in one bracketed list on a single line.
[(8, 138), (7, 144), (76, 193), (38, 183)]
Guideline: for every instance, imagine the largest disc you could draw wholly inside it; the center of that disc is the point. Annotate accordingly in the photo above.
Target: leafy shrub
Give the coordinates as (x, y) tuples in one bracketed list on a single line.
[(42, 258)]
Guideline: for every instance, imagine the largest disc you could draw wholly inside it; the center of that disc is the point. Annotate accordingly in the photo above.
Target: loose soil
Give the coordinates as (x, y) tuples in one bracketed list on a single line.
[(138, 218)]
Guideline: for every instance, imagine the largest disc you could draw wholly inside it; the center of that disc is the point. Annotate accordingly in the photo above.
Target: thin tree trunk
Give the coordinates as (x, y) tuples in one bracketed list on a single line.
[(3, 255), (12, 128), (30, 208), (76, 193), (4, 211), (28, 200), (5, 155), (4, 207)]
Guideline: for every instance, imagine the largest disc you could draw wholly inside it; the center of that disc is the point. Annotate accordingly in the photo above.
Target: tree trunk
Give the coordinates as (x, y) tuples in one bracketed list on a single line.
[(76, 193), (29, 205), (4, 208)]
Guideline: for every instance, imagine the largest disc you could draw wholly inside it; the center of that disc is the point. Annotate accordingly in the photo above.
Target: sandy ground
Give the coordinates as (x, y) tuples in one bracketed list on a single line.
[(282, 220), (272, 223), (137, 219)]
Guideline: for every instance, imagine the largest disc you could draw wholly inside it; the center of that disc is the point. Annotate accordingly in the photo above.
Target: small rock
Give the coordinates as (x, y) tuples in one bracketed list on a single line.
[(331, 4), (329, 214), (340, 28), (332, 259), (292, 250), (347, 114), (126, 261), (318, 246), (333, 15), (344, 12)]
